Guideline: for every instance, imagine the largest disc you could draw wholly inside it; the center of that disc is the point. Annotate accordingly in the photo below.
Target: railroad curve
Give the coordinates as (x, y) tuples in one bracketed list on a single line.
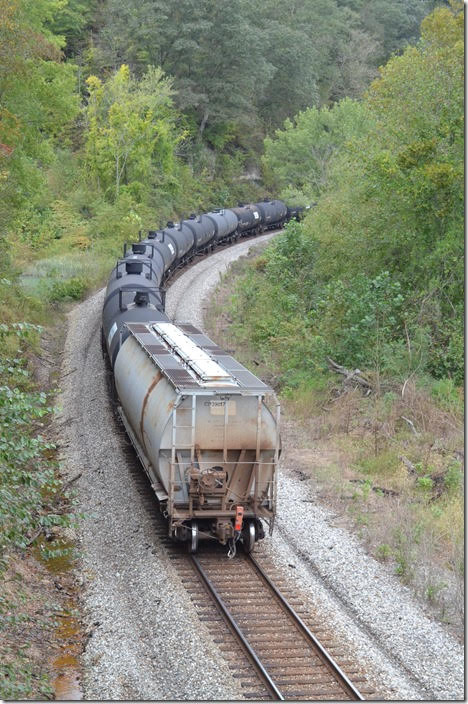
[(188, 294), (124, 570)]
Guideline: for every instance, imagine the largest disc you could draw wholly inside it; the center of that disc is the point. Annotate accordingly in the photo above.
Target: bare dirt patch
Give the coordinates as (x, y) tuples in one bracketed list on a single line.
[(40, 630)]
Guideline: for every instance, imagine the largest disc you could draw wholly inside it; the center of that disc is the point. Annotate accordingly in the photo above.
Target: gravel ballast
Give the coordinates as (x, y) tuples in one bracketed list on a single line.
[(146, 641), (405, 653)]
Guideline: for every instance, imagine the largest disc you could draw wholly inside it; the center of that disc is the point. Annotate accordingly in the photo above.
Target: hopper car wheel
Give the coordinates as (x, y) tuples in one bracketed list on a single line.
[(193, 539), (248, 537)]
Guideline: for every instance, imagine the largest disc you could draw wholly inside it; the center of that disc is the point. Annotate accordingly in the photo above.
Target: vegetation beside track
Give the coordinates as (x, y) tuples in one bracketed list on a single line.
[(374, 275), (389, 463), (35, 510), (372, 280), (371, 285)]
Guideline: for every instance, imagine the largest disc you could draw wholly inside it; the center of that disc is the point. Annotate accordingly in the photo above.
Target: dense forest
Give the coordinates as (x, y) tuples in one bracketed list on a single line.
[(374, 277), (117, 115), (203, 83)]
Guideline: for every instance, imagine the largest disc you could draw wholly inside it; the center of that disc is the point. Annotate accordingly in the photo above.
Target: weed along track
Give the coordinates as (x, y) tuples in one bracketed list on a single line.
[(266, 637)]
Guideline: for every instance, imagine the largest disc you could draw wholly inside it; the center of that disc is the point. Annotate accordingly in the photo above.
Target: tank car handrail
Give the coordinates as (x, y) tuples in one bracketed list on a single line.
[(118, 274), (130, 288)]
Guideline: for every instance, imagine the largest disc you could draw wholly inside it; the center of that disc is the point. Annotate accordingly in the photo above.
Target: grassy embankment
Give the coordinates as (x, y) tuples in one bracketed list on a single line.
[(390, 462)]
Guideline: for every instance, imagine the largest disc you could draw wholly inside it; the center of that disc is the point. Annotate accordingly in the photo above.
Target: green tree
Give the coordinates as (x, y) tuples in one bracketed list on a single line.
[(38, 101), (398, 200), (390, 207), (211, 49), (72, 20), (131, 136), (394, 24), (299, 156), (234, 60)]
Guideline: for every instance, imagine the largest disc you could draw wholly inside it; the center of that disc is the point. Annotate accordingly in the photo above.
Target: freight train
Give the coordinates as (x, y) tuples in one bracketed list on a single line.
[(205, 429)]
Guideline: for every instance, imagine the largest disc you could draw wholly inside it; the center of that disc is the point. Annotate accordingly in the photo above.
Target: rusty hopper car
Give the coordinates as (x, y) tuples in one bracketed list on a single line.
[(206, 431)]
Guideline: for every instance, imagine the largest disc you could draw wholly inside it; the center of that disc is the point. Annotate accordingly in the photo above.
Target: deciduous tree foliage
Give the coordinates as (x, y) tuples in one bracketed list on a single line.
[(403, 204), (244, 61), (210, 48), (131, 137), (72, 20), (37, 100), (389, 173), (297, 159)]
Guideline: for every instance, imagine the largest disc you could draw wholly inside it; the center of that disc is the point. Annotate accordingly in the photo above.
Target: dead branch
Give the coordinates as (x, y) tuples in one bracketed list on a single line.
[(70, 481), (411, 424), (409, 465), (35, 537), (72, 371), (404, 386), (377, 489), (350, 376)]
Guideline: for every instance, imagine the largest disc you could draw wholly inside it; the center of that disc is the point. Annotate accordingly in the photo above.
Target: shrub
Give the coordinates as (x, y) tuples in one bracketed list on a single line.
[(384, 552), (453, 476), (425, 483), (72, 289), (27, 475)]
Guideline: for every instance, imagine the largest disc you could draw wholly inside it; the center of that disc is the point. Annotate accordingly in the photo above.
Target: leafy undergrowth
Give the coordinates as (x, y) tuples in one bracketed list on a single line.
[(390, 462), (65, 277), (33, 504), (28, 611)]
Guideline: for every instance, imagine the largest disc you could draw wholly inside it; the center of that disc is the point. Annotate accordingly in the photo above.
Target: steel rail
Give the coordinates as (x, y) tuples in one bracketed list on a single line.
[(322, 652), (267, 680)]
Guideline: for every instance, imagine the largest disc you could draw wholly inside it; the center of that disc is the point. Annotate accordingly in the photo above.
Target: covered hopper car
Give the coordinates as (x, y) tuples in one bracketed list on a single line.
[(203, 431)]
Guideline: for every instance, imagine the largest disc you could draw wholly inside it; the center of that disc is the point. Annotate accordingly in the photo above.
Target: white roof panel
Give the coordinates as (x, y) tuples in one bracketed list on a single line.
[(195, 357)]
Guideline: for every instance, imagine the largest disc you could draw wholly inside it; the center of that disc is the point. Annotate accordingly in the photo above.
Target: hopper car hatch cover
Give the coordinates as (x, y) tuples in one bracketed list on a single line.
[(191, 361)]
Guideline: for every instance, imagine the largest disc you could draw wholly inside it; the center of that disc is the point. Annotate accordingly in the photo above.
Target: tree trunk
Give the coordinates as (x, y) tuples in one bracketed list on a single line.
[(204, 121), (117, 176)]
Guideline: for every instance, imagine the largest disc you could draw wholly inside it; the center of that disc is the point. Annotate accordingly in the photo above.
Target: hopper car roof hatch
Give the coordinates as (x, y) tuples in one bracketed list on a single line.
[(192, 362)]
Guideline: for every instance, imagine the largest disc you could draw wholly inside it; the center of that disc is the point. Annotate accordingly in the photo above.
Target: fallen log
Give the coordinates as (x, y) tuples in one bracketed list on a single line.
[(377, 489), (351, 376)]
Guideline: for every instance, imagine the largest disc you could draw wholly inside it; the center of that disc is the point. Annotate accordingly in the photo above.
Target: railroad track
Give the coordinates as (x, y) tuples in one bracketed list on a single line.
[(263, 637), (273, 644)]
